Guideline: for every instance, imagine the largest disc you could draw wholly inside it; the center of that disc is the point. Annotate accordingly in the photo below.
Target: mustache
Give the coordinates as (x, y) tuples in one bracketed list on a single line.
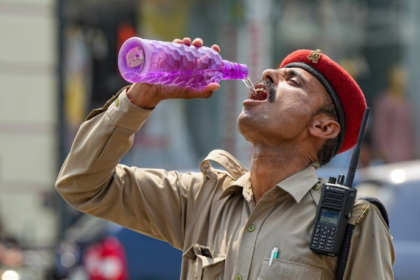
[(271, 89)]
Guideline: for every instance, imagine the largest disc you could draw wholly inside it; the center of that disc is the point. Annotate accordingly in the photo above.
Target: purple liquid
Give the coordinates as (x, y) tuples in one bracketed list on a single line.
[(156, 62)]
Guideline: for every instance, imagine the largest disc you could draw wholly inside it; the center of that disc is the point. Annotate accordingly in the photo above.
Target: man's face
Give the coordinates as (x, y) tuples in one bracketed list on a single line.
[(288, 99)]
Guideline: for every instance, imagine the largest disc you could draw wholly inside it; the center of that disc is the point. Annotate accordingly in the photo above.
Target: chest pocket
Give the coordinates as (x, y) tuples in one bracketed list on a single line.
[(287, 270), (204, 264)]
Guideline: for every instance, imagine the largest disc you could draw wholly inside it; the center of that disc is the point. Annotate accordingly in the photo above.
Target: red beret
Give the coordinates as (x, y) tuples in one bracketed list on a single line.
[(346, 95)]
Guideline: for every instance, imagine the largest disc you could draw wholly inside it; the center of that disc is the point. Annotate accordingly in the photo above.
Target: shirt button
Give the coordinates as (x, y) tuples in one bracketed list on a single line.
[(251, 228), (117, 102), (238, 277), (317, 187)]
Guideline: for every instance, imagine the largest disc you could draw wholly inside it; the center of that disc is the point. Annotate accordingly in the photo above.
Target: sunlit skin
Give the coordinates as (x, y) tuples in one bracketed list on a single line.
[(283, 129), (285, 134)]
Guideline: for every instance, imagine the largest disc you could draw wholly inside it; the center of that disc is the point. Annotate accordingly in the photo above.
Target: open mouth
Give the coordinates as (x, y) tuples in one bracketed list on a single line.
[(261, 93)]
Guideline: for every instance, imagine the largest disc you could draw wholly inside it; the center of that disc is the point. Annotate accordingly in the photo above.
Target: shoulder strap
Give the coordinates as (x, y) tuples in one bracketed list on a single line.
[(380, 206), (344, 252), (345, 246), (226, 160)]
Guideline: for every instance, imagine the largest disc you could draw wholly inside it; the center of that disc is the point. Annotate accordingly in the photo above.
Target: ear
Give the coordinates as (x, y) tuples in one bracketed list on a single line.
[(323, 127)]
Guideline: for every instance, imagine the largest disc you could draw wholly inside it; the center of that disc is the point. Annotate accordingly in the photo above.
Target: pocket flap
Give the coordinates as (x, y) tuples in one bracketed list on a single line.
[(204, 264), (198, 250), (288, 270)]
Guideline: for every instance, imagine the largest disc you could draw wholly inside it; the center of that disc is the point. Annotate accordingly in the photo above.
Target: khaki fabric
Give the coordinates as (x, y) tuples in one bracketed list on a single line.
[(211, 215)]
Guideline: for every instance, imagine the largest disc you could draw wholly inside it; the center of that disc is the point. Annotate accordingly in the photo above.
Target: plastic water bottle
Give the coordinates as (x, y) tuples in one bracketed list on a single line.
[(157, 62)]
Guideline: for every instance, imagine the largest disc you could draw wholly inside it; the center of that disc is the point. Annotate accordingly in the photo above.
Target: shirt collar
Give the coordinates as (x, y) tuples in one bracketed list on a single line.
[(297, 185), (300, 183)]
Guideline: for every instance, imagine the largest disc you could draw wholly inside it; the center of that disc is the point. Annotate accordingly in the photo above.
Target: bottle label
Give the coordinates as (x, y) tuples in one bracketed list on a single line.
[(134, 57)]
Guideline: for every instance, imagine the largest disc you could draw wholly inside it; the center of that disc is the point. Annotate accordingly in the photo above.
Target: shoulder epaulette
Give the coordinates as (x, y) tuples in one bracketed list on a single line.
[(378, 204)]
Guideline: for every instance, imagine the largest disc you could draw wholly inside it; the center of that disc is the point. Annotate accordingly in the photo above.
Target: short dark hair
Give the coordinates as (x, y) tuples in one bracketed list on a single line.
[(326, 153)]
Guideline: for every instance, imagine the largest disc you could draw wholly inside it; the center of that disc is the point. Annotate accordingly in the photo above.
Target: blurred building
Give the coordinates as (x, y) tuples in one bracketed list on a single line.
[(28, 123)]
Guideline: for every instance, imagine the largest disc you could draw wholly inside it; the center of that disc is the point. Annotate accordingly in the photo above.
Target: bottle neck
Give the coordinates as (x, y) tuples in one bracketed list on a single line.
[(234, 71)]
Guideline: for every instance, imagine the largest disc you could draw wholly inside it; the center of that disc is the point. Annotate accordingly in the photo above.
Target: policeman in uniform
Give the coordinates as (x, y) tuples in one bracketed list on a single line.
[(227, 221)]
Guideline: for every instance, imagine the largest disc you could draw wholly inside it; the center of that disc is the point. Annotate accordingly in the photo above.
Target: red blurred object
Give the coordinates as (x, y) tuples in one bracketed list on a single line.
[(105, 260), (125, 31)]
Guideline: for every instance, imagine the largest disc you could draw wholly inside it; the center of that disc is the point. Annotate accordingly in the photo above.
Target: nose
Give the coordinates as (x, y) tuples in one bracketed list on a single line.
[(271, 75)]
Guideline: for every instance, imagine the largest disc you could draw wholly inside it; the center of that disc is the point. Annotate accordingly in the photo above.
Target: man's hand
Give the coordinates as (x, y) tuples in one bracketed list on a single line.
[(147, 96)]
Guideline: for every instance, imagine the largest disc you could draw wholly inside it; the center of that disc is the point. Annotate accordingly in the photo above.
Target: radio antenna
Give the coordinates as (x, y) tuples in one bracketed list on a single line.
[(355, 157)]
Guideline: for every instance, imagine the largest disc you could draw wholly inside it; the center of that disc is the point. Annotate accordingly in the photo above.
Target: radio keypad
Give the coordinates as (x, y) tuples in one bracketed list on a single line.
[(323, 237)]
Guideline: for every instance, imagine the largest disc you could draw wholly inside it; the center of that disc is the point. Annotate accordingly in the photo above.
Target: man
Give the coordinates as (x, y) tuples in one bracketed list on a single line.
[(227, 222)]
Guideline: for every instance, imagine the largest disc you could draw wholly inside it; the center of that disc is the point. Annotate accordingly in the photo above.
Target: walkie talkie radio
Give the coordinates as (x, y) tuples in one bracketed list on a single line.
[(336, 205)]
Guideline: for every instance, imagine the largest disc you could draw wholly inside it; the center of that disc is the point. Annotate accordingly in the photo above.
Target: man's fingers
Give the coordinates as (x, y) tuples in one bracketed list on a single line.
[(198, 42), (216, 48), (178, 41), (187, 41)]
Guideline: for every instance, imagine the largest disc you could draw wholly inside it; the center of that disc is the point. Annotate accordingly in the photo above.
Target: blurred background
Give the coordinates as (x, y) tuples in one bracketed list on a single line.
[(58, 61)]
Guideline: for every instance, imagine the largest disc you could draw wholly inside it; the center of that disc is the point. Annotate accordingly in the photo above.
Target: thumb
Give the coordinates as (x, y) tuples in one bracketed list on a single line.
[(206, 92), (212, 87)]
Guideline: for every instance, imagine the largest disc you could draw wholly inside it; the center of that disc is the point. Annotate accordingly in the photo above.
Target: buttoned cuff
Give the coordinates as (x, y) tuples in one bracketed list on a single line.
[(125, 114)]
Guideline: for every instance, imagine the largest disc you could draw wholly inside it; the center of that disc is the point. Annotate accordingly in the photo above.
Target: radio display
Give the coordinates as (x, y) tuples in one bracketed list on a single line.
[(329, 216)]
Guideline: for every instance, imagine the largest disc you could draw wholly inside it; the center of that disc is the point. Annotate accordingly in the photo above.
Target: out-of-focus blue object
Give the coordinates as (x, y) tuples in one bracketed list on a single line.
[(397, 185), (146, 258), (149, 258)]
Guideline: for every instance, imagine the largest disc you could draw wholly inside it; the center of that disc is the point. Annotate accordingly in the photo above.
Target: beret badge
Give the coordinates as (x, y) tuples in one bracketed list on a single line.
[(314, 56)]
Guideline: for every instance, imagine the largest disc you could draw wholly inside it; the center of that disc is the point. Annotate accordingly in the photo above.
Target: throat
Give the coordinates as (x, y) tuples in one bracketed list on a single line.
[(268, 169)]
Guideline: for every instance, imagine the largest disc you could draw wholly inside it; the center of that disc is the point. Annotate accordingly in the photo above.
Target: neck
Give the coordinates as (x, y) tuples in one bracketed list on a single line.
[(271, 165)]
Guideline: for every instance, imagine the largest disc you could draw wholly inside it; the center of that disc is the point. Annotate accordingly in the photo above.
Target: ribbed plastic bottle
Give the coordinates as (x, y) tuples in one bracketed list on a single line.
[(157, 62)]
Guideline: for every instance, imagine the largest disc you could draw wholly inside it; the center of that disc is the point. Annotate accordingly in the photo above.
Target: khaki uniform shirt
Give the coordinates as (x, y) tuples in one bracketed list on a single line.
[(211, 216)]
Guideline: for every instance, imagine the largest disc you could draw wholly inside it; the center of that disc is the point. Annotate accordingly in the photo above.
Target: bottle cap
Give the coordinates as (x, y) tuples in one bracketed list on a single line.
[(131, 59)]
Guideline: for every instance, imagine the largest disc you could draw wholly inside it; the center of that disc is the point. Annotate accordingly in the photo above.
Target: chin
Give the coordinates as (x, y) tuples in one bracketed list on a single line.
[(247, 127), (241, 124), (242, 121)]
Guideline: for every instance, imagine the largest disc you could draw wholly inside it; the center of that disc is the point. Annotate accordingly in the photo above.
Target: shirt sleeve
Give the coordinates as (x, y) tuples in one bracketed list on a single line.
[(371, 253), (150, 201)]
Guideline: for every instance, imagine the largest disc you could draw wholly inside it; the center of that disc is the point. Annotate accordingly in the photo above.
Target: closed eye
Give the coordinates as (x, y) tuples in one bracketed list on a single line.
[(295, 78), (293, 82)]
